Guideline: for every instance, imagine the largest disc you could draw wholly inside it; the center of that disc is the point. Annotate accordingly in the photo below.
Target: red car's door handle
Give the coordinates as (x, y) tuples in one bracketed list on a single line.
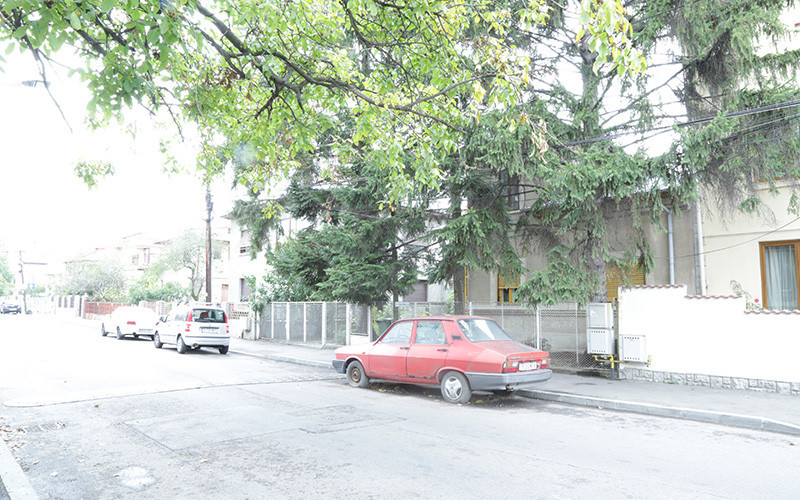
[(405, 348), (443, 350)]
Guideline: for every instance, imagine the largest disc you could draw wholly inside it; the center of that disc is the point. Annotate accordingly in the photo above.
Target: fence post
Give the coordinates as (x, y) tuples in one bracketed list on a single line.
[(288, 321), (305, 322), (348, 327), (538, 328), (369, 323), (324, 323), (470, 308), (577, 354), (272, 320)]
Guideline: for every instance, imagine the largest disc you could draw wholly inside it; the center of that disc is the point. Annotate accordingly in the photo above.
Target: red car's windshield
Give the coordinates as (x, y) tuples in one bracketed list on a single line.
[(482, 330)]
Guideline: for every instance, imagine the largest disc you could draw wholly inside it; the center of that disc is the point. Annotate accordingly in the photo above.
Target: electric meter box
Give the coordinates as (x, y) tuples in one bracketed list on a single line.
[(600, 341), (599, 315), (633, 348)]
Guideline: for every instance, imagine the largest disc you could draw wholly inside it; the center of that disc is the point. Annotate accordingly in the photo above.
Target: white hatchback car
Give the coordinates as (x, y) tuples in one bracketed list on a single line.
[(130, 320), (193, 327)]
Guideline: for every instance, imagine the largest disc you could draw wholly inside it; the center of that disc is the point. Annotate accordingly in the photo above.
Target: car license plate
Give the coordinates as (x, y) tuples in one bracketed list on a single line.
[(208, 330), (145, 330), (529, 365)]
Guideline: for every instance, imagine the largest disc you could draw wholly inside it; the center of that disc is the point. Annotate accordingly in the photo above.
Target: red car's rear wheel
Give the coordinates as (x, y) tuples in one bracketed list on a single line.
[(455, 388)]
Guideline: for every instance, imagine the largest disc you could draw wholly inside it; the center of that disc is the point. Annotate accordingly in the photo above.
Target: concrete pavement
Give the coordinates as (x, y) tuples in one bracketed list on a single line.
[(746, 409)]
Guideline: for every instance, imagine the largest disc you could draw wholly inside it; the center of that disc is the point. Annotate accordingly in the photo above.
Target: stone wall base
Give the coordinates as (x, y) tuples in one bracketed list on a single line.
[(747, 384)]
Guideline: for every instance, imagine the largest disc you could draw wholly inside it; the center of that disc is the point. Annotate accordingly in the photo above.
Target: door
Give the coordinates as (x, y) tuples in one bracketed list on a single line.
[(387, 358), (428, 353)]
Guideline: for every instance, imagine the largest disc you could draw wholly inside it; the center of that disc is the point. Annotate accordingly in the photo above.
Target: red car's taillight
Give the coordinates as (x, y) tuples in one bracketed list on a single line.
[(510, 366), (132, 323)]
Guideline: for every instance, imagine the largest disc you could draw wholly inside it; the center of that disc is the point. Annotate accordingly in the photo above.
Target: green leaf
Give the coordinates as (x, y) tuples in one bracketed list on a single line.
[(74, 21), (153, 36)]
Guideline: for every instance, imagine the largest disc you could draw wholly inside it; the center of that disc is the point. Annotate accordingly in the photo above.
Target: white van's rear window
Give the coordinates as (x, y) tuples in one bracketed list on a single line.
[(208, 315)]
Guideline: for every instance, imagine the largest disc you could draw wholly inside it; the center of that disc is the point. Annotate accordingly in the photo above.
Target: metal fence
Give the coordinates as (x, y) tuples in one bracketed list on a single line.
[(315, 323), (560, 329)]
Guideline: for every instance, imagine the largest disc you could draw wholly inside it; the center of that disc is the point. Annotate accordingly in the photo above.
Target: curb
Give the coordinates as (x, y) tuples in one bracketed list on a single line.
[(286, 359), (706, 416), (13, 478)]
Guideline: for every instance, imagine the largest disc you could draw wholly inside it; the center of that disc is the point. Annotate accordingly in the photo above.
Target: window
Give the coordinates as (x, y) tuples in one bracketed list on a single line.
[(507, 288), (779, 274), (244, 290), (208, 315), (510, 189), (482, 330), (616, 276), (399, 334), (430, 333)]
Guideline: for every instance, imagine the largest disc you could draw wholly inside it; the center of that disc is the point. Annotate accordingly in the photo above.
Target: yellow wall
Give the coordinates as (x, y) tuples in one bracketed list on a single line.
[(732, 242)]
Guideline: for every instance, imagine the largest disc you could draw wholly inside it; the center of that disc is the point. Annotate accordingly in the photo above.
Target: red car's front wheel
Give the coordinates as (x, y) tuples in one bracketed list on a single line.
[(356, 376)]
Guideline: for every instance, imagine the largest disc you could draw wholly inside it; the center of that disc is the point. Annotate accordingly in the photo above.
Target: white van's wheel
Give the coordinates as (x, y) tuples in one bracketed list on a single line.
[(181, 346)]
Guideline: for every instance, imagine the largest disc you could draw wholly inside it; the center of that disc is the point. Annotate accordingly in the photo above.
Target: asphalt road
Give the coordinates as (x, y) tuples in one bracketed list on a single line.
[(92, 417)]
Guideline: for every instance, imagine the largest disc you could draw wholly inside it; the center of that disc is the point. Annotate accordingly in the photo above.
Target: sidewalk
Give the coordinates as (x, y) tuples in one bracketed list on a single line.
[(748, 409)]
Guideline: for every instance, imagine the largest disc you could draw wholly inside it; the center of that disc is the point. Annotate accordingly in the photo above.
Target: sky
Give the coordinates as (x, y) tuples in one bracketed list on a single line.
[(46, 210)]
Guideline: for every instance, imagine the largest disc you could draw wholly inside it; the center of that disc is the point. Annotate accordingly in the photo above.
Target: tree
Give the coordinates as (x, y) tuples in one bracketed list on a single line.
[(152, 288), (352, 250), (101, 281), (6, 277), (595, 164), (275, 77), (187, 252)]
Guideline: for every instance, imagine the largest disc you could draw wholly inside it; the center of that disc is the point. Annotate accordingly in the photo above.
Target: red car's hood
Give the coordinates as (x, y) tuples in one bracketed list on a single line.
[(512, 347)]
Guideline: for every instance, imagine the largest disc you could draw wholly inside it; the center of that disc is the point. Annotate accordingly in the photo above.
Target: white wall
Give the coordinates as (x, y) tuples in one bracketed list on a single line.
[(710, 335)]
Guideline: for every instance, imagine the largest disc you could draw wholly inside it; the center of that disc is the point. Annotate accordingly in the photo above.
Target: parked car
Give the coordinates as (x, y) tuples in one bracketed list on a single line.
[(460, 354), (130, 320), (193, 327), (11, 308)]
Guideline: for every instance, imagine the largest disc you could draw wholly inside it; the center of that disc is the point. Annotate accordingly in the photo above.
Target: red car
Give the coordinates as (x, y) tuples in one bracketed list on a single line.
[(461, 354)]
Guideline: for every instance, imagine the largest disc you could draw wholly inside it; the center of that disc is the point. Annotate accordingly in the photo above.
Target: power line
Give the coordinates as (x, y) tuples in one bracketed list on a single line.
[(698, 121)]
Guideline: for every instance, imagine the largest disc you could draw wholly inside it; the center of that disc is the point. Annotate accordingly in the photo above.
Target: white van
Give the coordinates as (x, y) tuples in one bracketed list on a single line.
[(130, 320), (192, 327)]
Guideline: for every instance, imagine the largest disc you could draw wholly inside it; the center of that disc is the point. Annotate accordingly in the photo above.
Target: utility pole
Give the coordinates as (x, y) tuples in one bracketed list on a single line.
[(22, 283), (209, 207)]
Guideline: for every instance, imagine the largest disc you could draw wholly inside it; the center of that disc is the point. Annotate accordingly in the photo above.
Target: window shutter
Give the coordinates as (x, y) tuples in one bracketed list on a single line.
[(617, 277)]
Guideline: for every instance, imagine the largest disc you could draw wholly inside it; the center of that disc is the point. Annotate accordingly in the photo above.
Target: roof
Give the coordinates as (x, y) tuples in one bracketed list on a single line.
[(452, 317)]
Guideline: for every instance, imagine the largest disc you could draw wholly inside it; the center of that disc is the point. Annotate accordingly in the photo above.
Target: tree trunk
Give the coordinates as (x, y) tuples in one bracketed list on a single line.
[(459, 290)]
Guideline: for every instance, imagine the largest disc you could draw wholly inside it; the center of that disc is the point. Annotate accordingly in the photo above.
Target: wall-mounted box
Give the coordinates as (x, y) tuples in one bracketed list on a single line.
[(600, 341), (633, 348), (600, 315)]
